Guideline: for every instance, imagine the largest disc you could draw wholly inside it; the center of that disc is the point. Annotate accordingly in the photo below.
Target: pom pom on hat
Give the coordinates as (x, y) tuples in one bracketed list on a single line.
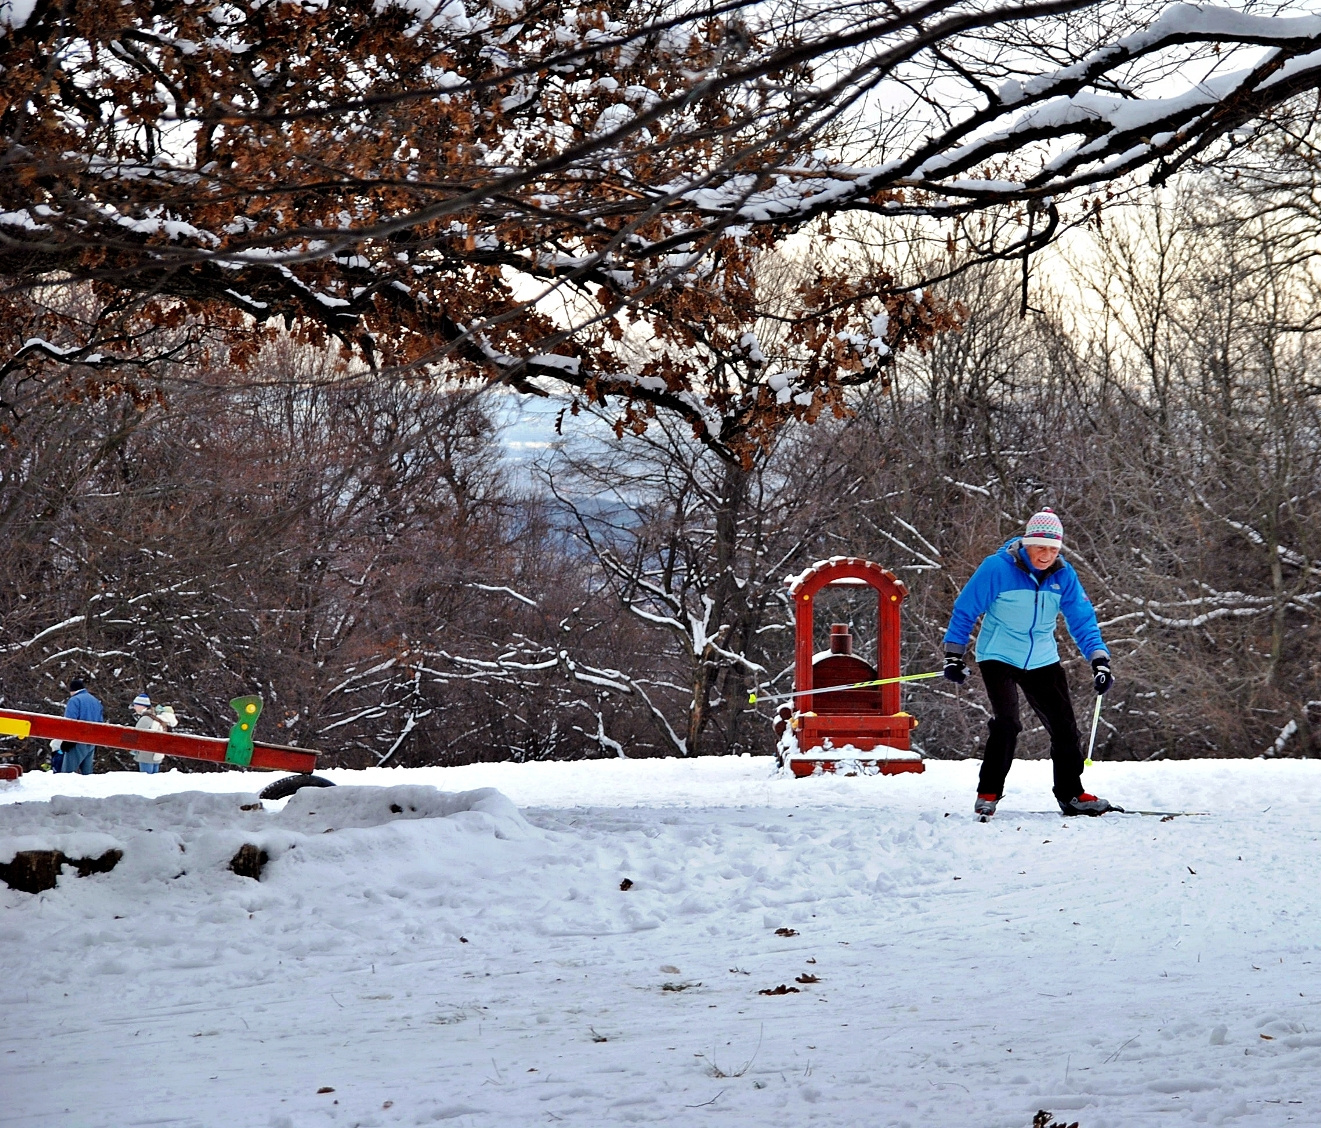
[(1044, 529), (141, 699)]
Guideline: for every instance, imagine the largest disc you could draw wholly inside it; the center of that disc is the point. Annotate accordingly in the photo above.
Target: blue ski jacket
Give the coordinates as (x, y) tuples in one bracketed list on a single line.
[(1020, 606), (82, 706)]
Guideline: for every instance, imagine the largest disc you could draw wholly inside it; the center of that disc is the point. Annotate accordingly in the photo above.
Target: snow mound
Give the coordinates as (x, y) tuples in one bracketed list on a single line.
[(198, 834), (342, 807)]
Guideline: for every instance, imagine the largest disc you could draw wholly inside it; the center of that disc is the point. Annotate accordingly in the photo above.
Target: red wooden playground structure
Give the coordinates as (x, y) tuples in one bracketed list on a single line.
[(241, 749), (862, 728)]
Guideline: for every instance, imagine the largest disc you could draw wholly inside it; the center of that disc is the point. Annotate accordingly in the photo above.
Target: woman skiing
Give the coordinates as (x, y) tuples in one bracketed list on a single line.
[(1021, 590)]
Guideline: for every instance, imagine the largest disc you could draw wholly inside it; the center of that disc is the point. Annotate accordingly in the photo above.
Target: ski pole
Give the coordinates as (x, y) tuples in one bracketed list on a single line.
[(753, 698), (1091, 743)]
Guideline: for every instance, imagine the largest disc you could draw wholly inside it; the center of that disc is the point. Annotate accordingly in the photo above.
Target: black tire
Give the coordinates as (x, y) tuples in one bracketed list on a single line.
[(286, 786)]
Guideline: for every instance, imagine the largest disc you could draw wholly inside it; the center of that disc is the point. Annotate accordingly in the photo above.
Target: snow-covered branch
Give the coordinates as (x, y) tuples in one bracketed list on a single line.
[(507, 591), (614, 184)]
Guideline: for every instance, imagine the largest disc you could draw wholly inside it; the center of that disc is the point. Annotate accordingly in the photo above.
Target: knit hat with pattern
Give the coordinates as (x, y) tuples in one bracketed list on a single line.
[(1044, 529)]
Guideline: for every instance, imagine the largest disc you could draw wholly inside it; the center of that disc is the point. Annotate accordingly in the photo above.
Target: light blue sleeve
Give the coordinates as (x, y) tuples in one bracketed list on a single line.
[(1080, 616), (973, 601)]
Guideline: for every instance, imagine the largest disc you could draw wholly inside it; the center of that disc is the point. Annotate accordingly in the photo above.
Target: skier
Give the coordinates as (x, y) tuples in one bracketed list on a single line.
[(1021, 590)]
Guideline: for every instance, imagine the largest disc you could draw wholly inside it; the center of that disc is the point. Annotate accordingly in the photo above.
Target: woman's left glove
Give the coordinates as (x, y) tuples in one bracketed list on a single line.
[(1102, 678)]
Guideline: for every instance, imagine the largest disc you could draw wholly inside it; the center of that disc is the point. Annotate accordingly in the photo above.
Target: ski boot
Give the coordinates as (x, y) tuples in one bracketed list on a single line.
[(984, 808), (1085, 804)]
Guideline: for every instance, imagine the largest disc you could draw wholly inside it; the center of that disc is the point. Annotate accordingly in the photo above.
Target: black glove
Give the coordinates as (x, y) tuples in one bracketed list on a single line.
[(956, 669), (1102, 678)]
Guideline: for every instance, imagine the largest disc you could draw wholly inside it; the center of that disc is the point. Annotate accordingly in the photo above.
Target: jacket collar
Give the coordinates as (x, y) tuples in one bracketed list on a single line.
[(1018, 554)]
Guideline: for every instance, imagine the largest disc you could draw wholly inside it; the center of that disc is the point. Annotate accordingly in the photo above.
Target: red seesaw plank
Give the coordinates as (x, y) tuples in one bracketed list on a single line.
[(275, 757)]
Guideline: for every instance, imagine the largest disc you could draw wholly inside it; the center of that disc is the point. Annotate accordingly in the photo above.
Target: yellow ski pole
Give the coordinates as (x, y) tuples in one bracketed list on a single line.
[(753, 698), (1091, 743)]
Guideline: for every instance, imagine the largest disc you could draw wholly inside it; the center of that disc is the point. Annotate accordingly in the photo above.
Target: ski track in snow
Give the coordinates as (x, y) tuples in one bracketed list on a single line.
[(470, 963)]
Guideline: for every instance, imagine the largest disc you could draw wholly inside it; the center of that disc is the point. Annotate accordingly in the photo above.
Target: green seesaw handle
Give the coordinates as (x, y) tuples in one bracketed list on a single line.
[(239, 749)]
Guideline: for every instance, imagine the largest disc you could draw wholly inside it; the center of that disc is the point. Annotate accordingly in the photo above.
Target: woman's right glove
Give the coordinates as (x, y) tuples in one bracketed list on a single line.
[(1102, 678), (956, 669)]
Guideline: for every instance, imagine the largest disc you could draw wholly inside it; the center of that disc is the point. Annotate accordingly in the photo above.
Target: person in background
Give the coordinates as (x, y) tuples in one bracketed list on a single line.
[(81, 706), (1022, 590), (153, 720)]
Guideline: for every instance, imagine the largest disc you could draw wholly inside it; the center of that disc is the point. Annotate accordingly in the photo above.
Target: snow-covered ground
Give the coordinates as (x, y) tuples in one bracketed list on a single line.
[(471, 959)]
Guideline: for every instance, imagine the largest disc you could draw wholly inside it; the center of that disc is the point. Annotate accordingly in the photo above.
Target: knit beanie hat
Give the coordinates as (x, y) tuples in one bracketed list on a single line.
[(1044, 529), (142, 699)]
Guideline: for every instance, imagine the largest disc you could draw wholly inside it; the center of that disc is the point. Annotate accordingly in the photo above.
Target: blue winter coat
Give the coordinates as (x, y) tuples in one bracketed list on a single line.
[(82, 706), (1020, 606)]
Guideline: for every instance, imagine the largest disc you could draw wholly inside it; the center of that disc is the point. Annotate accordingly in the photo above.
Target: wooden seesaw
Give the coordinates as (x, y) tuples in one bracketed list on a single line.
[(240, 749)]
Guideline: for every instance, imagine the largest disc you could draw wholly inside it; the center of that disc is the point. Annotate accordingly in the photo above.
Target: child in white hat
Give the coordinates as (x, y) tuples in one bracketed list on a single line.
[(149, 762)]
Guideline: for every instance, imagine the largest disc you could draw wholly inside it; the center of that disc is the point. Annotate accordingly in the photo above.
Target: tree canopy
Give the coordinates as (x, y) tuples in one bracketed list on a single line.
[(576, 195)]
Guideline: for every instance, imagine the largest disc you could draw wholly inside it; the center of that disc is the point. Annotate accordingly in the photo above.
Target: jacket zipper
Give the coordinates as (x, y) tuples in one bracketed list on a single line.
[(1036, 604), (1032, 630)]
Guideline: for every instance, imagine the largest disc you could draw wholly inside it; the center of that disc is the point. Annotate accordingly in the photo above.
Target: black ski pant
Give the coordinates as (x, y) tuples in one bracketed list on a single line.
[(1047, 691)]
